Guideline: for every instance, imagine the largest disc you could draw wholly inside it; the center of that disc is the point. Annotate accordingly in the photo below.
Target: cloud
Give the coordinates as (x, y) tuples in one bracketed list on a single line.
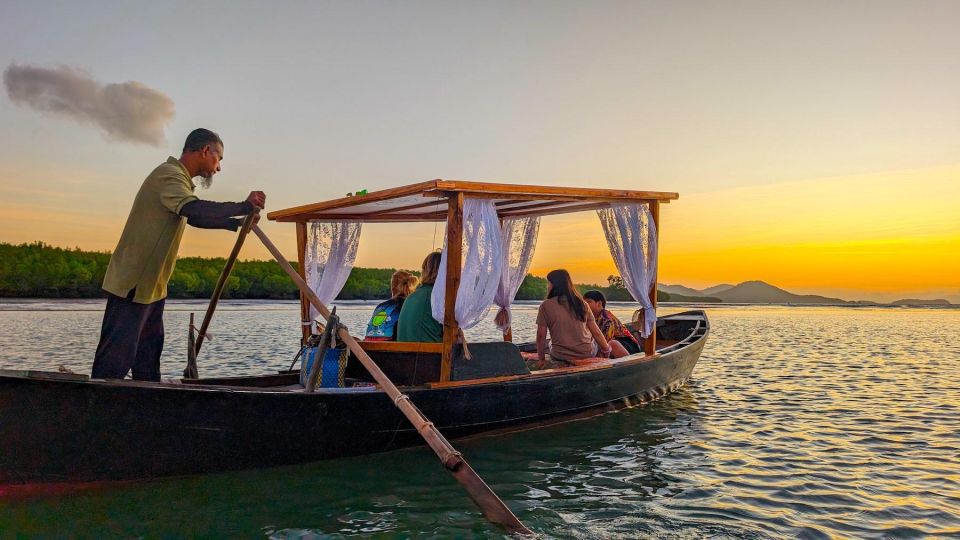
[(128, 111)]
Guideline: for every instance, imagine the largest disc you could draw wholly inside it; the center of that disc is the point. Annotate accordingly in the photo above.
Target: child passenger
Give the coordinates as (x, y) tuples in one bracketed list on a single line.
[(617, 334), (416, 318), (573, 331), (383, 323)]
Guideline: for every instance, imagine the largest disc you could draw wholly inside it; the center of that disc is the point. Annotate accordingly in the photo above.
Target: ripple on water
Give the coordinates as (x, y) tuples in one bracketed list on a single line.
[(799, 423)]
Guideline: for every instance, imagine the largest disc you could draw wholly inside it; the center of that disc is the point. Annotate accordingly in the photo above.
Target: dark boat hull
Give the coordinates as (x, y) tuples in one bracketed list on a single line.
[(73, 431)]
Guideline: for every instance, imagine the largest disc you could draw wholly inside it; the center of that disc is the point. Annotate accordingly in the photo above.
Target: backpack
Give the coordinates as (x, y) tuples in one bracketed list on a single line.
[(383, 323)]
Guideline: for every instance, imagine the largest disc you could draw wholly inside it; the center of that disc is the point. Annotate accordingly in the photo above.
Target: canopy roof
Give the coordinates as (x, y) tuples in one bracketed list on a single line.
[(427, 201)]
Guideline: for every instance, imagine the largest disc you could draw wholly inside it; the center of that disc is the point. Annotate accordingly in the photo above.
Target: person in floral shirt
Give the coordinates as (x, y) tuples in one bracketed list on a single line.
[(611, 327)]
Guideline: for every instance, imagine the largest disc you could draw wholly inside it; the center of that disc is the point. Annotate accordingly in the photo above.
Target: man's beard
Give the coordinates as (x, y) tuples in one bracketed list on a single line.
[(206, 181)]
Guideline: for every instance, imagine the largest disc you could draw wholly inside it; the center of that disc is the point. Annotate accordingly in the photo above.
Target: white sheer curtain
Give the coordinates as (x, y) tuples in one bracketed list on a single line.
[(331, 252), (482, 263), (519, 238), (632, 237)]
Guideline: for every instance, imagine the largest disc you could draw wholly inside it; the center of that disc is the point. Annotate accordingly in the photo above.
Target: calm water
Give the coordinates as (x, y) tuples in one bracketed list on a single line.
[(799, 422)]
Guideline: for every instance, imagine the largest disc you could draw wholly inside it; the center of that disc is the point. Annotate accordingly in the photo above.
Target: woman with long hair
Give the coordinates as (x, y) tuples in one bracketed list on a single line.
[(574, 333), (416, 321)]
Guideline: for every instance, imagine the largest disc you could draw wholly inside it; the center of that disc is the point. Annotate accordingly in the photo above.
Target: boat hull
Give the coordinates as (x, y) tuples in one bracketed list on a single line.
[(58, 431)]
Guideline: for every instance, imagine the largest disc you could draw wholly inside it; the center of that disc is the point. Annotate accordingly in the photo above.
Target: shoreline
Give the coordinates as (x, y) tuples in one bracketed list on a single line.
[(96, 304)]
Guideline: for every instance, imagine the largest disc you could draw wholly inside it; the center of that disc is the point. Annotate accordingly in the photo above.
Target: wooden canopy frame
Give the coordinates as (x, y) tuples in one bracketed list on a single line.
[(442, 200)]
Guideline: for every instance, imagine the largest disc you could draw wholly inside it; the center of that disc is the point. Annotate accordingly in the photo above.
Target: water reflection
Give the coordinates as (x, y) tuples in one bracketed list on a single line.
[(800, 422), (591, 476)]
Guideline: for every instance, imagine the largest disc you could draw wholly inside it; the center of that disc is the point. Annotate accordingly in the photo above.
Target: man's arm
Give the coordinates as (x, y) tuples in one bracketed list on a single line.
[(220, 215), (215, 215)]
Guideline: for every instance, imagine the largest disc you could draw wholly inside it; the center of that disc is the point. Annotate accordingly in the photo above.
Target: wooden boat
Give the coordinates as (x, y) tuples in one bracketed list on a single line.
[(60, 427)]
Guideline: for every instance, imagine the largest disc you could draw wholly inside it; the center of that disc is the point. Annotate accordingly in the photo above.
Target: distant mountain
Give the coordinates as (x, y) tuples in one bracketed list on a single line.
[(758, 292), (916, 302), (680, 290), (706, 295), (674, 297), (711, 291), (680, 293)]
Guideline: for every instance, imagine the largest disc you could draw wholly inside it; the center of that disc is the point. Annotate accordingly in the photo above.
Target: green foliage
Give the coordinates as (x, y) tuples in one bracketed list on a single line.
[(535, 288), (367, 283), (612, 293), (40, 271), (532, 288), (615, 282)]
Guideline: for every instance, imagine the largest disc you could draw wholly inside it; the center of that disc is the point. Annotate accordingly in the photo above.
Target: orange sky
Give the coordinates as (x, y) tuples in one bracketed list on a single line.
[(880, 236), (814, 146)]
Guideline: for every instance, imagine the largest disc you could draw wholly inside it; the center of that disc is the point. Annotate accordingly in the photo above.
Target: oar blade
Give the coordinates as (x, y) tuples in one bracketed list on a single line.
[(492, 507)]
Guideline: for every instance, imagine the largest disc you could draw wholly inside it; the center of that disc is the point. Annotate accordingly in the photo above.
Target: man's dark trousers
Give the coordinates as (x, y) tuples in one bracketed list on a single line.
[(131, 338)]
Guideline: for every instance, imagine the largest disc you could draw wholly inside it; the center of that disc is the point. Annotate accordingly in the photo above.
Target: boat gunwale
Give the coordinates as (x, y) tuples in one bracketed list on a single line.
[(626, 361)]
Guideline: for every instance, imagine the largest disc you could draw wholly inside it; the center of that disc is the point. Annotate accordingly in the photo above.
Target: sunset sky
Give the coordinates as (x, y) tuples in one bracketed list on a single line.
[(815, 145)]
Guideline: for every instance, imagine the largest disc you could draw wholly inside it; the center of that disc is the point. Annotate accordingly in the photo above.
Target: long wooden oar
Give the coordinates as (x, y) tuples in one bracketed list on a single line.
[(492, 507), (191, 371)]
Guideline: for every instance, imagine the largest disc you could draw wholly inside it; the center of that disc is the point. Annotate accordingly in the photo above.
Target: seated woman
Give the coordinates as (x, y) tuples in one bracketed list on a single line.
[(383, 323), (573, 331), (416, 317), (617, 334)]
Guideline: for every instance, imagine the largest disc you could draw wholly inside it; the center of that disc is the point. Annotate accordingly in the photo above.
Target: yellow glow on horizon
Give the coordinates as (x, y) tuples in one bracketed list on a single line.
[(897, 231), (879, 233), (869, 266), (870, 236)]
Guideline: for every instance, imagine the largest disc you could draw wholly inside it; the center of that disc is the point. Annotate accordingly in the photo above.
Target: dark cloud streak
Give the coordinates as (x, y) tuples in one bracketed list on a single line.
[(128, 111)]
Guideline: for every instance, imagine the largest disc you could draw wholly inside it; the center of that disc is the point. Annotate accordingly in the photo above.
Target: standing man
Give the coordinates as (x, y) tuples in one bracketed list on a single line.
[(136, 280)]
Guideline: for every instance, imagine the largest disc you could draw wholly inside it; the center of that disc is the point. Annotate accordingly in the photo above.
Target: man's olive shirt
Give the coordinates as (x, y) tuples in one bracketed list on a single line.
[(147, 251)]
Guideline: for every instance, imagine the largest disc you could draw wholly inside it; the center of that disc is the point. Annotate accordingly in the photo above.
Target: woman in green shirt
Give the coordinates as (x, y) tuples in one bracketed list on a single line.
[(416, 321)]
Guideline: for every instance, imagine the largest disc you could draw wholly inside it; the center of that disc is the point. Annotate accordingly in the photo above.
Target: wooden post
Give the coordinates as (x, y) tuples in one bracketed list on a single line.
[(191, 372), (302, 269), (650, 343), (454, 266), (508, 333)]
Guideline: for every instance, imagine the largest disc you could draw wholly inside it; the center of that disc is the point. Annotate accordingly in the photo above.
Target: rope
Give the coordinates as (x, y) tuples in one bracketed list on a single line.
[(462, 339), (206, 335), (452, 459), (295, 358)]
